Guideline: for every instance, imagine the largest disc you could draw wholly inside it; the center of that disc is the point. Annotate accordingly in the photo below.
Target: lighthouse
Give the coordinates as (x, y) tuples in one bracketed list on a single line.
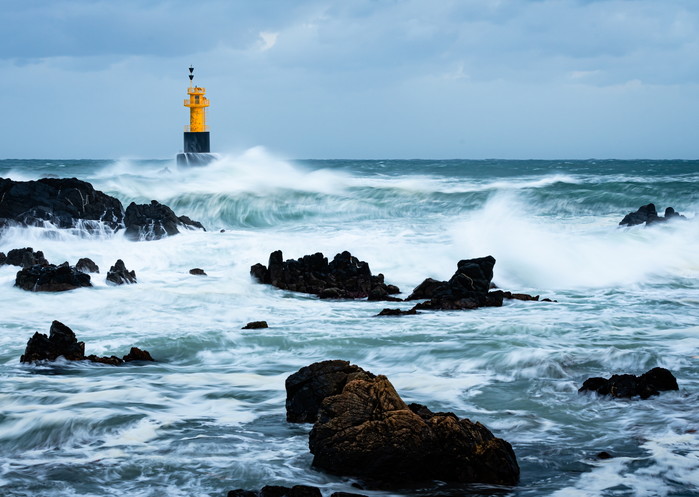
[(197, 148)]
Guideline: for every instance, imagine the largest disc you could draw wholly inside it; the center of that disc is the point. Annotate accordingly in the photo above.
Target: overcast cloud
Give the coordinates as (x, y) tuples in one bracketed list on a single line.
[(353, 78)]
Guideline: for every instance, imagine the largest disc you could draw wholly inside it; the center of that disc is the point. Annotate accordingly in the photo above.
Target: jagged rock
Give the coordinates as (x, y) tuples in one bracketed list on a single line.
[(255, 325), (197, 272), (119, 275), (25, 257), (278, 491), (368, 431), (66, 203), (397, 312), (426, 289), (345, 277), (646, 214), (306, 389), (154, 221), (628, 385), (51, 278), (3, 258), (62, 342), (86, 265)]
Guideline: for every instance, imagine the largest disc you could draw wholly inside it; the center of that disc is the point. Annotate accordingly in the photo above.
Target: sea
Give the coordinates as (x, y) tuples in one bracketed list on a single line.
[(209, 415)]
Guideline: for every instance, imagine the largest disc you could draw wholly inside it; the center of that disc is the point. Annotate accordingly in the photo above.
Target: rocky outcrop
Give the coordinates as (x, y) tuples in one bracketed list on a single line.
[(25, 257), (628, 385), (256, 325), (197, 271), (646, 214), (345, 277), (86, 265), (51, 278), (62, 342), (119, 275), (368, 431), (295, 491), (66, 203), (306, 389), (154, 221)]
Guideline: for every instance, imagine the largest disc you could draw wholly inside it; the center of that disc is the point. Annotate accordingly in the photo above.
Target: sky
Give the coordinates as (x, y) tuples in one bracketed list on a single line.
[(354, 79)]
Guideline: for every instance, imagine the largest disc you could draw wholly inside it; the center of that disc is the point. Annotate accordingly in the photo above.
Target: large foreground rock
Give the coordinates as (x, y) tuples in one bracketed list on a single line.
[(369, 432), (66, 203), (646, 214), (309, 386), (62, 342), (51, 278), (345, 277), (154, 221), (628, 385)]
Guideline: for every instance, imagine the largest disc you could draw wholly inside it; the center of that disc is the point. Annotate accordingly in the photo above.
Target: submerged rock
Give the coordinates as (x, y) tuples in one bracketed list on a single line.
[(62, 342), (369, 432), (278, 491), (64, 202), (154, 221), (345, 277), (51, 278), (197, 272), (628, 385), (256, 325), (119, 275), (86, 265), (306, 389), (646, 214)]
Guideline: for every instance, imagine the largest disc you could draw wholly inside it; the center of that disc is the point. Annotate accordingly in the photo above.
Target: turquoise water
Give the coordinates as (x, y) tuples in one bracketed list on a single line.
[(209, 416)]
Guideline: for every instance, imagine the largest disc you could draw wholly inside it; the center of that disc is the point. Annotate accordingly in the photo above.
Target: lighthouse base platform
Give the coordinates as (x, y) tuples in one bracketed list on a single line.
[(192, 159)]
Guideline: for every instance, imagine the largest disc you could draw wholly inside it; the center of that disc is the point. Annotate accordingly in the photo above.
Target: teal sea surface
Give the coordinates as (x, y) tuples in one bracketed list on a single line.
[(209, 415)]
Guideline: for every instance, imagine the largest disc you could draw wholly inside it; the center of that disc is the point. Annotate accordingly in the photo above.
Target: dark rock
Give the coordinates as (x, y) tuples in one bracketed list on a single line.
[(63, 342), (136, 354), (51, 278), (60, 342), (86, 265), (646, 214), (154, 221), (604, 455), (278, 491), (66, 203), (255, 325), (306, 389), (119, 275), (345, 277), (426, 289), (397, 312), (369, 432), (197, 271), (25, 257), (627, 385), (3, 258), (346, 494)]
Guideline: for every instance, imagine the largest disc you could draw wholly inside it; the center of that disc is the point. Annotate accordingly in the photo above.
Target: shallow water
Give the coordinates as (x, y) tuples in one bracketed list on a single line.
[(209, 416)]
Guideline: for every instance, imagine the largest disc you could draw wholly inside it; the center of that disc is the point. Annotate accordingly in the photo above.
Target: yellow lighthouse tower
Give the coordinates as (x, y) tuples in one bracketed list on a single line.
[(196, 134)]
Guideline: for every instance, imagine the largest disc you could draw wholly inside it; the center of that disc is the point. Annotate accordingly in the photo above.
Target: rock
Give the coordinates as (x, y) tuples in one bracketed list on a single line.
[(51, 278), (119, 275), (255, 325), (426, 289), (86, 265), (66, 203), (306, 389), (627, 385), (3, 258), (397, 312), (604, 455), (345, 277), (62, 342), (278, 491), (25, 257), (154, 221), (646, 214), (136, 354), (197, 271), (368, 431)]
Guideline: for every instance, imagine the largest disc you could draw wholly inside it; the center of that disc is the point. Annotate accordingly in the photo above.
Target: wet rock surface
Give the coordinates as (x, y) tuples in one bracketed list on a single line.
[(256, 325), (86, 265), (306, 389), (647, 214), (25, 257), (368, 431), (280, 491), (51, 278), (62, 342), (119, 275), (628, 385), (345, 277), (154, 221)]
